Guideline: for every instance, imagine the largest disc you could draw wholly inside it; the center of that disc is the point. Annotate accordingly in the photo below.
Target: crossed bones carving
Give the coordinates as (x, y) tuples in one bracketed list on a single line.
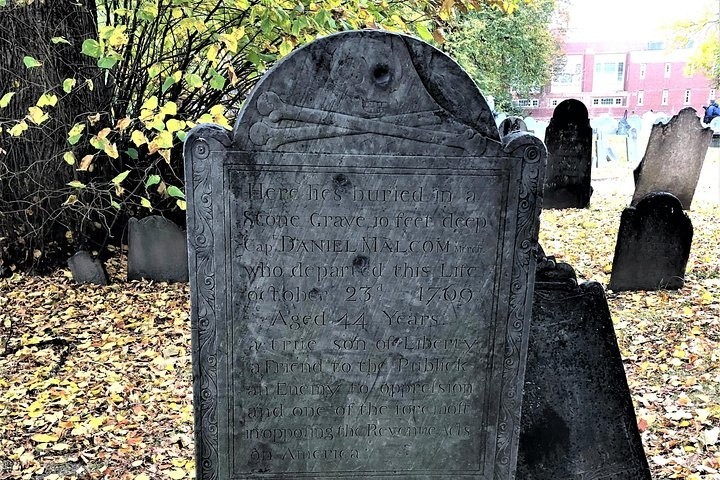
[(327, 124)]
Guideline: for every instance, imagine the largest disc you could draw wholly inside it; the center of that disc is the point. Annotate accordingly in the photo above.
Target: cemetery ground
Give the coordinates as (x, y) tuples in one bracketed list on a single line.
[(95, 382)]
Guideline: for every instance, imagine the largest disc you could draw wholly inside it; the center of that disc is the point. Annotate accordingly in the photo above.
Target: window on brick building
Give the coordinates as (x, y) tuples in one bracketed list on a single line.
[(712, 94), (667, 70), (643, 70), (664, 100), (641, 97), (687, 97)]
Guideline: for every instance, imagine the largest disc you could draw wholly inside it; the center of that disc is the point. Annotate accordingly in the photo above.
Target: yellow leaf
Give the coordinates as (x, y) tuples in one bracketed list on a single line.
[(18, 129), (142, 476), (170, 108), (150, 104), (95, 422), (111, 150), (173, 125), (176, 473), (138, 138), (69, 158), (213, 53), (37, 115), (47, 99), (44, 438)]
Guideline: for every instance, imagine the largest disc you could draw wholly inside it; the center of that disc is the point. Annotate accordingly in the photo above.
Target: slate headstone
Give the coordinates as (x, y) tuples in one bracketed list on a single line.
[(653, 245), (361, 258), (85, 268), (569, 142), (674, 158), (157, 250), (512, 124), (578, 419)]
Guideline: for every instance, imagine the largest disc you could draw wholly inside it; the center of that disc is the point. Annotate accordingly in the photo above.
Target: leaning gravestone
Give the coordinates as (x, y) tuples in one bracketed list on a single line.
[(157, 250), (569, 143), (361, 258), (653, 245), (86, 268), (674, 158), (577, 416)]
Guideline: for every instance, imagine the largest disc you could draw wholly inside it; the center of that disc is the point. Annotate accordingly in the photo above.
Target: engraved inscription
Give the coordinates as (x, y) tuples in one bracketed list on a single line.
[(374, 303)]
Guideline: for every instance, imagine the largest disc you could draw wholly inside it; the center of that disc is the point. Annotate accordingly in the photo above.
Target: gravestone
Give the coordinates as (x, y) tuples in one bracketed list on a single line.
[(512, 124), (674, 158), (157, 250), (577, 416), (569, 142), (85, 268), (653, 245), (361, 258)]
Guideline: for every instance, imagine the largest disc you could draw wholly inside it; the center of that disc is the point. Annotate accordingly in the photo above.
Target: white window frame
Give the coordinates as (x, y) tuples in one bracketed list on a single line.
[(668, 70), (665, 95), (641, 97), (687, 96), (643, 70)]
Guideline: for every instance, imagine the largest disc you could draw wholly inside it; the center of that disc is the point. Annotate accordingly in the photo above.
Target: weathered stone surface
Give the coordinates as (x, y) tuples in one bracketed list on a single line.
[(653, 245), (157, 250), (569, 143), (577, 417), (512, 124), (361, 258), (85, 268), (674, 158)]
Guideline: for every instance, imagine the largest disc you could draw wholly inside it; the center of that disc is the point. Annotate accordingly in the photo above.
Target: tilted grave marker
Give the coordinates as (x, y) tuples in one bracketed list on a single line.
[(361, 258), (577, 417), (653, 245), (569, 143), (674, 158)]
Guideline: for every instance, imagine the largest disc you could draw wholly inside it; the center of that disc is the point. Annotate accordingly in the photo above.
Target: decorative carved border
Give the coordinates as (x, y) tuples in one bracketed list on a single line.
[(521, 291)]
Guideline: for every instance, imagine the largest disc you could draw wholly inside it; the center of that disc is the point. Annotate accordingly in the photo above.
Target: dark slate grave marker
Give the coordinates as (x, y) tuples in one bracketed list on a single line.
[(512, 124), (361, 258), (577, 417), (569, 142), (674, 158), (157, 250), (85, 268), (653, 245)]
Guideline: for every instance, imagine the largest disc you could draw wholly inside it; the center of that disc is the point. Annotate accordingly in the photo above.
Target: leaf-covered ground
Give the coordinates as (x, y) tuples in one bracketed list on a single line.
[(95, 382)]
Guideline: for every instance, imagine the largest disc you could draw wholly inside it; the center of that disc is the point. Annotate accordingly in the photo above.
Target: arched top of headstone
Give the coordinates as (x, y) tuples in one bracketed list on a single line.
[(664, 202), (363, 92), (570, 111)]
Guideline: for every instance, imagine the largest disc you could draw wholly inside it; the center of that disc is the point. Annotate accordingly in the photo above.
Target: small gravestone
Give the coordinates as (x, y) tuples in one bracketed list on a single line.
[(674, 158), (512, 124), (653, 245), (569, 142), (577, 417), (85, 268), (361, 258), (157, 250)]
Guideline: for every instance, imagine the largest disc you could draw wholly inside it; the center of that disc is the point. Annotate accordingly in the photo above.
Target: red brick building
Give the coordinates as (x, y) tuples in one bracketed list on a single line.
[(610, 78)]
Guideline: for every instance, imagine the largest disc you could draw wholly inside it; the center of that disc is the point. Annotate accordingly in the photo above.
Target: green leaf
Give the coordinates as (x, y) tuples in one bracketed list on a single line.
[(91, 48), (424, 33), (132, 153), (169, 82), (106, 62), (3, 3), (145, 203), (73, 139), (5, 100), (69, 158), (217, 81), (174, 191), (152, 180), (57, 40), (68, 85), (193, 80), (30, 62), (76, 184), (115, 204), (119, 178), (181, 135)]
